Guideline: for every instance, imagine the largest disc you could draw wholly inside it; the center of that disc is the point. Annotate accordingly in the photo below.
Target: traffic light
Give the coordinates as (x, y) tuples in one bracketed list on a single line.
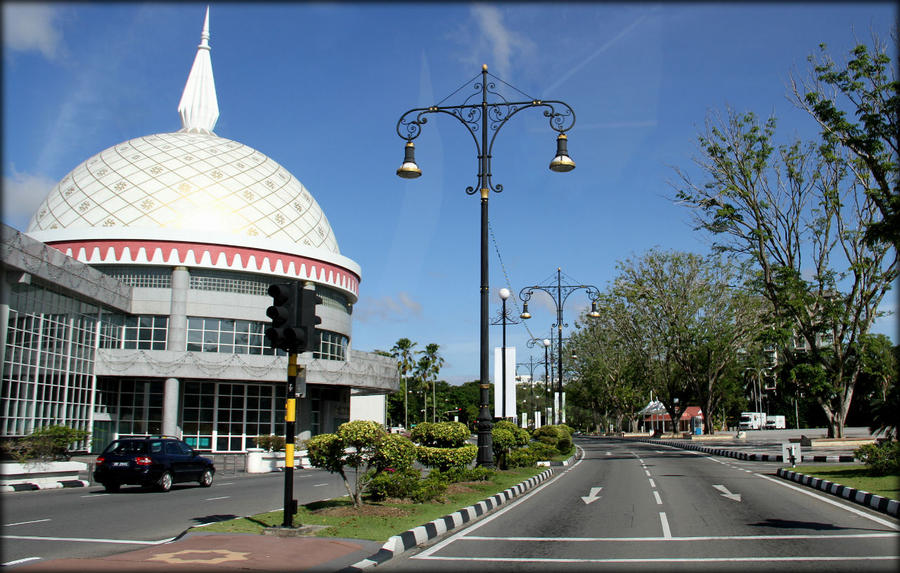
[(307, 319), (294, 320), (284, 332)]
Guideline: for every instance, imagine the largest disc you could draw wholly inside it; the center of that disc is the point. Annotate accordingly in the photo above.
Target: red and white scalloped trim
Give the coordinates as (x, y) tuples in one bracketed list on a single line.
[(209, 256)]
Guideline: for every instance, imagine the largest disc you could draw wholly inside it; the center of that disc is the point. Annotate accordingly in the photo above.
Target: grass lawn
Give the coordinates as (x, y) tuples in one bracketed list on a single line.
[(378, 521), (856, 476)]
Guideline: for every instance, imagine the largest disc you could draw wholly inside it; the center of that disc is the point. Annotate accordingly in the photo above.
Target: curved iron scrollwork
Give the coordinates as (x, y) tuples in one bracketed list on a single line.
[(483, 119)]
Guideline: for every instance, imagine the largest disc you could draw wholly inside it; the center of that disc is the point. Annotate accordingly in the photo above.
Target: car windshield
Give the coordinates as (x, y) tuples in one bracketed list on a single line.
[(126, 447)]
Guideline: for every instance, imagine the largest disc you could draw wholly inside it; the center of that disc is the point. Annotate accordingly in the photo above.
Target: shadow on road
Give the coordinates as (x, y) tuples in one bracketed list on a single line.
[(213, 518), (791, 524)]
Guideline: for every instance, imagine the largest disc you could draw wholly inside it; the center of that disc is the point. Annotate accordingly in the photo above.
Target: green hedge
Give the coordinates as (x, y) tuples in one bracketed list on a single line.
[(446, 458), (440, 434)]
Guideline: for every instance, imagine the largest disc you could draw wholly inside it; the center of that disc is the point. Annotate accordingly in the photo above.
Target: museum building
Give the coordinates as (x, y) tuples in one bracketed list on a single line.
[(134, 304)]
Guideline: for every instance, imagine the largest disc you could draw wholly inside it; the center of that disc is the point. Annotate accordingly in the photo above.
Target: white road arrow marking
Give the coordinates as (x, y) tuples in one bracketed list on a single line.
[(728, 494), (592, 497)]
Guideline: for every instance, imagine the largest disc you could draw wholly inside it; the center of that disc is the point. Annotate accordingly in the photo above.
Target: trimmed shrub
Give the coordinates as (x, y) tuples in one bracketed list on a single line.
[(542, 451), (440, 434), (401, 484), (270, 443), (457, 474), (394, 452), (48, 443), (446, 458), (521, 458), (355, 445), (429, 489), (564, 444), (520, 435), (503, 442), (882, 458)]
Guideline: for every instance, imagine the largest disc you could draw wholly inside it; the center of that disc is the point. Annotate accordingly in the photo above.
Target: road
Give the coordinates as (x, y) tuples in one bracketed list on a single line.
[(638, 506), (88, 522)]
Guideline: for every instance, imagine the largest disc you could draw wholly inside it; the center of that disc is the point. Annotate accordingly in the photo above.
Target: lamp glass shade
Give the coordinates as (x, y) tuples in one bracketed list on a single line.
[(562, 162), (409, 169)]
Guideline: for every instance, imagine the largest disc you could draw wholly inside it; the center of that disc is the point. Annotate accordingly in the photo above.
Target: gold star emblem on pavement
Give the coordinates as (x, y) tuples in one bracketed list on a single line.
[(215, 556)]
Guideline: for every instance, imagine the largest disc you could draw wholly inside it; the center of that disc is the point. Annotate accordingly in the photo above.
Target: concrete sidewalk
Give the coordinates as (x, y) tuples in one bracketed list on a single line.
[(199, 552)]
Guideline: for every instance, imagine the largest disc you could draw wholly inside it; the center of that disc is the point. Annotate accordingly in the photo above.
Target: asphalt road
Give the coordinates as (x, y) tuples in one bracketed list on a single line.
[(88, 522), (638, 506)]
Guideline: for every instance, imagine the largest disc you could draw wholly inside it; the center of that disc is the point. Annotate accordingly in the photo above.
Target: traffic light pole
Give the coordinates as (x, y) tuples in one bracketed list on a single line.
[(290, 505)]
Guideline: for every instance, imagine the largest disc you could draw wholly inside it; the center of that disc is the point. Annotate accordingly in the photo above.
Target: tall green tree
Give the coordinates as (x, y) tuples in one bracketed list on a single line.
[(609, 384), (857, 105), (404, 354), (798, 212), (691, 316)]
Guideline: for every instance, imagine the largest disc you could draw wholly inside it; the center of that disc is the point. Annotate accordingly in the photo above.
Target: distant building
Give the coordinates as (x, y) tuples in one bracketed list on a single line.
[(134, 303), (655, 417)]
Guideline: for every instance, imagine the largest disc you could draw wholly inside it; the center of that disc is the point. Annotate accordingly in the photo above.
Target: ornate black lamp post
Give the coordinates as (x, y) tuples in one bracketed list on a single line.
[(483, 120), (559, 293)]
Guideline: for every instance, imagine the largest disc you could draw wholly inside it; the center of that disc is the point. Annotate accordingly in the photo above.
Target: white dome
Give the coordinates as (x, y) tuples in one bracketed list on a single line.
[(194, 182)]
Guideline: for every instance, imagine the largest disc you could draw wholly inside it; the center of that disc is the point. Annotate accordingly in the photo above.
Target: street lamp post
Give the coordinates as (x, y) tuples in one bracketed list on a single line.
[(503, 320), (485, 119), (531, 364), (562, 293), (545, 342)]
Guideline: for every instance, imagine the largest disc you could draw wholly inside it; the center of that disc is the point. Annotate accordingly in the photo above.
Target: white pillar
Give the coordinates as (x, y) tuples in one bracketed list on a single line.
[(170, 407)]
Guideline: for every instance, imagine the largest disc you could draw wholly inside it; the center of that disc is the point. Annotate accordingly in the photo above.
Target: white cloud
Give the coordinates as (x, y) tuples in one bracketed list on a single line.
[(399, 308), (495, 37), (22, 194), (31, 27)]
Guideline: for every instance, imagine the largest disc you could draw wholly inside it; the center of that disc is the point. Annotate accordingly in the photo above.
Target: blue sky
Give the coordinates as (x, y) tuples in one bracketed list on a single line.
[(319, 89)]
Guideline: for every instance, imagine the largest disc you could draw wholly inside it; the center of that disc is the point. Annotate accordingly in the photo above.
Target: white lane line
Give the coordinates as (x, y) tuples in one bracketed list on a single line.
[(96, 495), (215, 498), (658, 500), (652, 483), (25, 522), (838, 536), (319, 484), (812, 493), (461, 534), (20, 561), (667, 533), (89, 540), (226, 483), (663, 560), (646, 472)]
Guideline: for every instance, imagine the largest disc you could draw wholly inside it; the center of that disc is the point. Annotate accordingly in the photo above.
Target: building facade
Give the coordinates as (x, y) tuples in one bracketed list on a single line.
[(134, 304)]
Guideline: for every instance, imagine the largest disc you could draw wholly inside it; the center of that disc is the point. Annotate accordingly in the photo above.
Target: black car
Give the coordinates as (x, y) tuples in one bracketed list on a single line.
[(152, 462)]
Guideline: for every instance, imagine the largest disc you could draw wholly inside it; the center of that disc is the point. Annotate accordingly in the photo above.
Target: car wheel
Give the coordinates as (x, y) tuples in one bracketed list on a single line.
[(165, 481), (206, 478), (111, 487)]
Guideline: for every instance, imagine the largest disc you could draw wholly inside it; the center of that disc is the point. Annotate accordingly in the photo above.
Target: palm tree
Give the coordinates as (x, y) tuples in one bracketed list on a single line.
[(434, 362), (403, 353)]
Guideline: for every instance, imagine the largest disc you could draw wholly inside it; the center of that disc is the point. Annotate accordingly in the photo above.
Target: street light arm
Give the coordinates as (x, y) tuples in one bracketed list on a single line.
[(409, 126)]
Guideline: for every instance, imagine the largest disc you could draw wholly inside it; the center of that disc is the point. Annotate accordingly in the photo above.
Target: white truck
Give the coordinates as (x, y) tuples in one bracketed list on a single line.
[(775, 423), (752, 421)]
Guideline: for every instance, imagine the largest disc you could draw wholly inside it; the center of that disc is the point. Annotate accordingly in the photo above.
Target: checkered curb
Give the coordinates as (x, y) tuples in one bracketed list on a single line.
[(876, 502), (36, 486), (742, 455), (423, 533)]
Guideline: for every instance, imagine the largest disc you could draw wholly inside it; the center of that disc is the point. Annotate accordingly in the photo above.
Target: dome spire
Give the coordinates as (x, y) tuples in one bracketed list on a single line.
[(199, 107)]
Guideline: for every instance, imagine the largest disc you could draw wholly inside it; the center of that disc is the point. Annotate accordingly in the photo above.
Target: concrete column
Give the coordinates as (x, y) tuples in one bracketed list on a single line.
[(181, 282), (177, 341), (171, 393)]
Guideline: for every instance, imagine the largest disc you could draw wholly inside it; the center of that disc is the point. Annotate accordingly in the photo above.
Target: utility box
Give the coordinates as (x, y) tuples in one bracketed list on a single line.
[(791, 453)]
